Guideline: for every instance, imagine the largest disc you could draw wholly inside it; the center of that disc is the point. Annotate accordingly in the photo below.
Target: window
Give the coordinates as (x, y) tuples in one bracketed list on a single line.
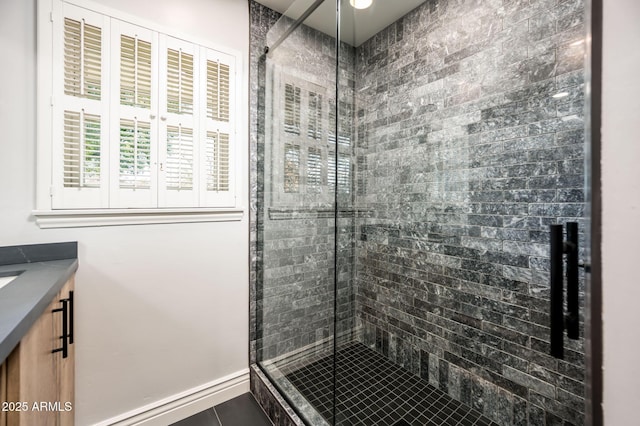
[(139, 119)]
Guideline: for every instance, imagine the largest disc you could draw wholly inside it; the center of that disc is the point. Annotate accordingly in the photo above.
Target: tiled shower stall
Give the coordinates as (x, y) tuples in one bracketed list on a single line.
[(402, 191)]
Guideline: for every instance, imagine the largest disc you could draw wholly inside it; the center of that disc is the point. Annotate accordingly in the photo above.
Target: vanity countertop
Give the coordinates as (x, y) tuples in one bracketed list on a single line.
[(42, 271)]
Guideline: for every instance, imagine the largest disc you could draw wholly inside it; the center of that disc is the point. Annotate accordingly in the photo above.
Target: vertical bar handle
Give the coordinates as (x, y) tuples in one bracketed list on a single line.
[(556, 287), (65, 325), (70, 335), (571, 248)]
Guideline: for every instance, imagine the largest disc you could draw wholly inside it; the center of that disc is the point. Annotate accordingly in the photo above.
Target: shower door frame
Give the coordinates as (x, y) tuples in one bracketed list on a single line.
[(593, 351)]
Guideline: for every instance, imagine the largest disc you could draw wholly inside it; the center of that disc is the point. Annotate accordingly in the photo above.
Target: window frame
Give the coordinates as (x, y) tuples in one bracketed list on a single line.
[(48, 215)]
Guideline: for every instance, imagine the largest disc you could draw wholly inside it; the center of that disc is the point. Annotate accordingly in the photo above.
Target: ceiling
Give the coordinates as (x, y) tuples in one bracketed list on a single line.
[(357, 25)]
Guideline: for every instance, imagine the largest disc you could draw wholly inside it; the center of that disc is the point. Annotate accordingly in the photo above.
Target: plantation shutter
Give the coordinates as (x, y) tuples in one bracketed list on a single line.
[(179, 146), (139, 119), (219, 150), (80, 156), (133, 177)]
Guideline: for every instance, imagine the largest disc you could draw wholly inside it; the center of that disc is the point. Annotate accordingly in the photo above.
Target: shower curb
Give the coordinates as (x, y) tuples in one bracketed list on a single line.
[(273, 404)]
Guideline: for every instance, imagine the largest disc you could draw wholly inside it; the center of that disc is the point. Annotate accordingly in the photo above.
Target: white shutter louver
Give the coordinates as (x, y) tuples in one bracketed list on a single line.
[(179, 82), (344, 131), (315, 116), (82, 59), (179, 167), (135, 72), (331, 169), (292, 109), (331, 128), (135, 154), (217, 161), (81, 150), (314, 168), (344, 171), (218, 91), (291, 168)]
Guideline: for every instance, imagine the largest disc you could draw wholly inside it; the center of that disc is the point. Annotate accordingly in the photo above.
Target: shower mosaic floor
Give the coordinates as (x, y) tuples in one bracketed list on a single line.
[(372, 390)]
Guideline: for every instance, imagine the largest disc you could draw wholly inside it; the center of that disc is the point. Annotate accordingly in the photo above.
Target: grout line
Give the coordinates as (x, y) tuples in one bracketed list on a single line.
[(217, 416)]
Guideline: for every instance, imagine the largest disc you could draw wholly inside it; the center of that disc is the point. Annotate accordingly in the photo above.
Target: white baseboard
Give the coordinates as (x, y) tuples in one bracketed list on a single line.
[(184, 404)]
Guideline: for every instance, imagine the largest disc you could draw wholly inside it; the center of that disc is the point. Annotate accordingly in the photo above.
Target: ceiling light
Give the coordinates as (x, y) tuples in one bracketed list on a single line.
[(560, 95), (360, 4)]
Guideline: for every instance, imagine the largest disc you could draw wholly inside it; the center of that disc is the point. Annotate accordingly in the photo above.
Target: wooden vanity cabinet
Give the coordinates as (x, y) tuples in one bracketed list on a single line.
[(36, 383)]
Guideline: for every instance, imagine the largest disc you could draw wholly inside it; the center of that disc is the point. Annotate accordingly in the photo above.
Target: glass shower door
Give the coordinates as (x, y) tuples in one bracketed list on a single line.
[(407, 185), (297, 215)]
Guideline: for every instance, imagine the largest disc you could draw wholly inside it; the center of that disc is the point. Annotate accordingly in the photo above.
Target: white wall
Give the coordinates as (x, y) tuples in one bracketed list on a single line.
[(161, 308), (621, 210)]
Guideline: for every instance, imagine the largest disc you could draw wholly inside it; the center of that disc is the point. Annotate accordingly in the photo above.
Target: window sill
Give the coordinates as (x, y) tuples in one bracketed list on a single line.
[(47, 219)]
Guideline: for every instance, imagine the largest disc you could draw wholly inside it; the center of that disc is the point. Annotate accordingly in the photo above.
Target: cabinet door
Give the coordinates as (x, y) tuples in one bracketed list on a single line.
[(39, 380), (32, 378), (3, 392)]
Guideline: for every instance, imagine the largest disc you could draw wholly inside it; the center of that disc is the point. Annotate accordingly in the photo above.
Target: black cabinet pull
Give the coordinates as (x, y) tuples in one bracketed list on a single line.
[(65, 314), (558, 247), (71, 317)]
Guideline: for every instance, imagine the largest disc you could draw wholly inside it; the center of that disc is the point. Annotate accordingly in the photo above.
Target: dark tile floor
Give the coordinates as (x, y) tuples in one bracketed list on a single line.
[(371, 390), (240, 411)]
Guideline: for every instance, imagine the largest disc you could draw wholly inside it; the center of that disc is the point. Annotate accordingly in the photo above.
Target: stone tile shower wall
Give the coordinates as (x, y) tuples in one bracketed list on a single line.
[(293, 208), (464, 159)]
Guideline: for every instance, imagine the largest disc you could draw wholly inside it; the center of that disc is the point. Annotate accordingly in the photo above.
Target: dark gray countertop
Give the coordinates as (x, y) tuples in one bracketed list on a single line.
[(24, 299)]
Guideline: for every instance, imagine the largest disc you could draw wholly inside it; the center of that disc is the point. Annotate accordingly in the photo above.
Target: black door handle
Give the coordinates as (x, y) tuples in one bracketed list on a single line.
[(571, 248), (556, 295), (558, 247)]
